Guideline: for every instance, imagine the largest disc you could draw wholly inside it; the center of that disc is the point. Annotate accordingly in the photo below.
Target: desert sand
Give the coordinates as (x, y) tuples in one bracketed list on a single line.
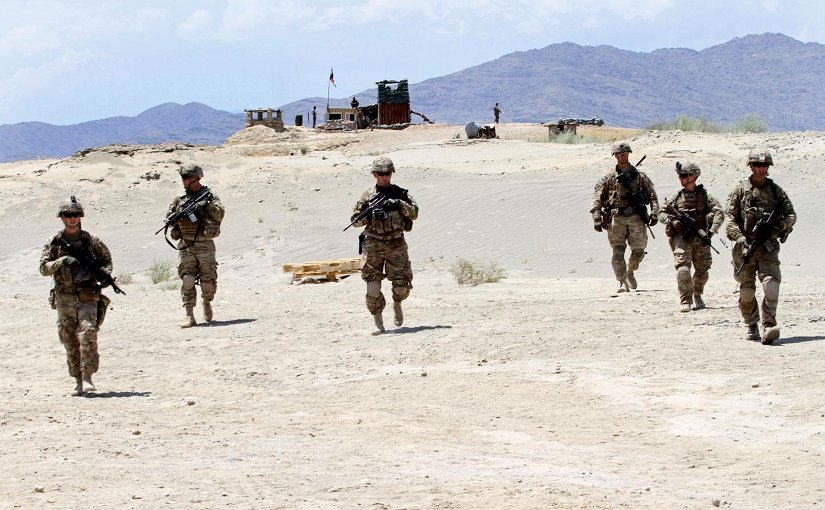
[(544, 390)]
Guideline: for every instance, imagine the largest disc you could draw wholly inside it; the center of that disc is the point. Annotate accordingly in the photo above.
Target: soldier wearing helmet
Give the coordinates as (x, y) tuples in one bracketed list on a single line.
[(619, 205), (689, 235), (760, 217), (76, 291), (384, 251), (197, 261)]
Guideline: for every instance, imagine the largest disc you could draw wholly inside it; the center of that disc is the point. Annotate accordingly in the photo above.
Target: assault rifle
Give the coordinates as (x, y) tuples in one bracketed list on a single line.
[(689, 224), (90, 263), (761, 233), (186, 210), (374, 204), (607, 214)]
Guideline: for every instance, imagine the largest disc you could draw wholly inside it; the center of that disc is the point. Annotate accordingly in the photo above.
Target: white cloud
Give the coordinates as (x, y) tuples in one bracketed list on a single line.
[(27, 40), (198, 23)]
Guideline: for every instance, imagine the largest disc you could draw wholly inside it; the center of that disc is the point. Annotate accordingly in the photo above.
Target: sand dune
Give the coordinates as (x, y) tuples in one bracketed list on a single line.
[(545, 390)]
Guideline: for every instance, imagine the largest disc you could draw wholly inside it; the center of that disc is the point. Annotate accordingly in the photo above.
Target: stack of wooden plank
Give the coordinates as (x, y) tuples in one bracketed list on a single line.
[(330, 270)]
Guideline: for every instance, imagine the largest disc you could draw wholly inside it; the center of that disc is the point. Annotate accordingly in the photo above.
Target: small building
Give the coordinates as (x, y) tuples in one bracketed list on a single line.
[(264, 116), (393, 102), (342, 114)]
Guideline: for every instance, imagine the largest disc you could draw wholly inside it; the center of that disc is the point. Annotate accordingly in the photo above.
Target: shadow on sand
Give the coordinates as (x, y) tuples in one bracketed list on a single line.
[(116, 394), (416, 329), (798, 339), (233, 322)]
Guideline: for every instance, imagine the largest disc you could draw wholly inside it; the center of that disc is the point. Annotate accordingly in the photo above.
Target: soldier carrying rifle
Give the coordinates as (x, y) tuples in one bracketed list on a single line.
[(691, 217), (759, 214)]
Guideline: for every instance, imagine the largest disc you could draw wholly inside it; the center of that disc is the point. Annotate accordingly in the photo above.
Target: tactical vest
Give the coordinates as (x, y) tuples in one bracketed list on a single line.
[(204, 228), (757, 203), (395, 222), (73, 280), (626, 184)]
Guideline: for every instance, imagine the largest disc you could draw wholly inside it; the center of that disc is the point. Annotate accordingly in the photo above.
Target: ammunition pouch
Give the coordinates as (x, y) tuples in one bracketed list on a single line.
[(53, 299), (89, 294)]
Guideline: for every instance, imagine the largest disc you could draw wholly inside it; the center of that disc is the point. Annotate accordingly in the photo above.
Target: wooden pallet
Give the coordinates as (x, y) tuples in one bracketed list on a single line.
[(331, 270)]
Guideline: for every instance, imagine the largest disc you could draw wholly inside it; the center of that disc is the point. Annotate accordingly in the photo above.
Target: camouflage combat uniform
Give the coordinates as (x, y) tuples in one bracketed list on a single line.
[(626, 226), (197, 257), (747, 204), (76, 296), (384, 248), (687, 247)]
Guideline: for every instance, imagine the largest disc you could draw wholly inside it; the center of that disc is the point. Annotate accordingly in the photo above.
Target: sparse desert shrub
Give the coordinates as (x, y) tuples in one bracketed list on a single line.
[(160, 270), (124, 278), (473, 273), (751, 123), (686, 123), (567, 137), (304, 149)]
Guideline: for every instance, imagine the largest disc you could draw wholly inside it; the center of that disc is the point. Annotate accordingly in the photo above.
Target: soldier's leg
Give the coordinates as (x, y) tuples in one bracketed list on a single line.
[(372, 265), (67, 325), (208, 268), (399, 272), (682, 255), (637, 240), (87, 335), (747, 291), (617, 237), (188, 271), (771, 277), (702, 261)]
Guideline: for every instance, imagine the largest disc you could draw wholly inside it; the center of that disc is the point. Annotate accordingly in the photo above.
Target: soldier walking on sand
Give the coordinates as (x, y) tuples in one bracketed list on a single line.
[(384, 249), (314, 116), (197, 263), (76, 292), (619, 205), (759, 214), (691, 216), (496, 112)]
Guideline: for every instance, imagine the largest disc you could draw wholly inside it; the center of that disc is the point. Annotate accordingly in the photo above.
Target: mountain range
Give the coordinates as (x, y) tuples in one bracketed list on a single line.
[(771, 75)]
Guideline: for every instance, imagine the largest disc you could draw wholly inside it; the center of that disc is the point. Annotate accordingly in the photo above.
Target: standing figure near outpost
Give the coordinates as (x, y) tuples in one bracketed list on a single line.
[(759, 214), (197, 263), (619, 205), (386, 211), (691, 216), (496, 112), (80, 265)]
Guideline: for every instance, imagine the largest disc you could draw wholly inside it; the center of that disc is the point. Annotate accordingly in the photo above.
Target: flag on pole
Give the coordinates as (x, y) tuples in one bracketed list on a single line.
[(332, 78)]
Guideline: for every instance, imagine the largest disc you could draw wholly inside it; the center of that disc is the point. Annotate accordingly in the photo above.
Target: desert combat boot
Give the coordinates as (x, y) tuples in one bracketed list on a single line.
[(379, 324), (399, 314), (623, 286), (78, 389), (698, 303), (771, 334), (631, 280), (207, 310), (189, 320), (753, 332), (87, 380)]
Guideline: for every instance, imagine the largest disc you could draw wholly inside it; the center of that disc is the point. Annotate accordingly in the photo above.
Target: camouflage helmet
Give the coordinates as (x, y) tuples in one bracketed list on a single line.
[(620, 147), (760, 155), (191, 170), (688, 169), (382, 164), (70, 206)]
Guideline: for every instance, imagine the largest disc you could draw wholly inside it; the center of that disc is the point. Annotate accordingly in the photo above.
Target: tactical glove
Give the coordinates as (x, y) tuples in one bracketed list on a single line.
[(653, 220), (676, 225), (67, 261), (379, 214), (391, 204), (200, 207), (597, 226)]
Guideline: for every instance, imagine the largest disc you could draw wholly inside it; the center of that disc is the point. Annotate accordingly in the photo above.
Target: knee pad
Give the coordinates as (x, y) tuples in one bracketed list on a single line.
[(618, 252), (637, 254), (374, 288), (188, 282), (771, 288), (400, 293), (747, 294)]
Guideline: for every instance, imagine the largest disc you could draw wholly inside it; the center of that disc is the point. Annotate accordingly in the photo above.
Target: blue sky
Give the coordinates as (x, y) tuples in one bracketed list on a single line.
[(70, 61)]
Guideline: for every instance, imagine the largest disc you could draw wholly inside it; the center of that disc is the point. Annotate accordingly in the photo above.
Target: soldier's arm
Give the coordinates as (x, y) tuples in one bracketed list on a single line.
[(215, 208), (715, 215), (790, 215), (651, 193), (102, 254), (599, 197), (409, 209), (48, 261), (359, 206), (732, 214), (664, 216)]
